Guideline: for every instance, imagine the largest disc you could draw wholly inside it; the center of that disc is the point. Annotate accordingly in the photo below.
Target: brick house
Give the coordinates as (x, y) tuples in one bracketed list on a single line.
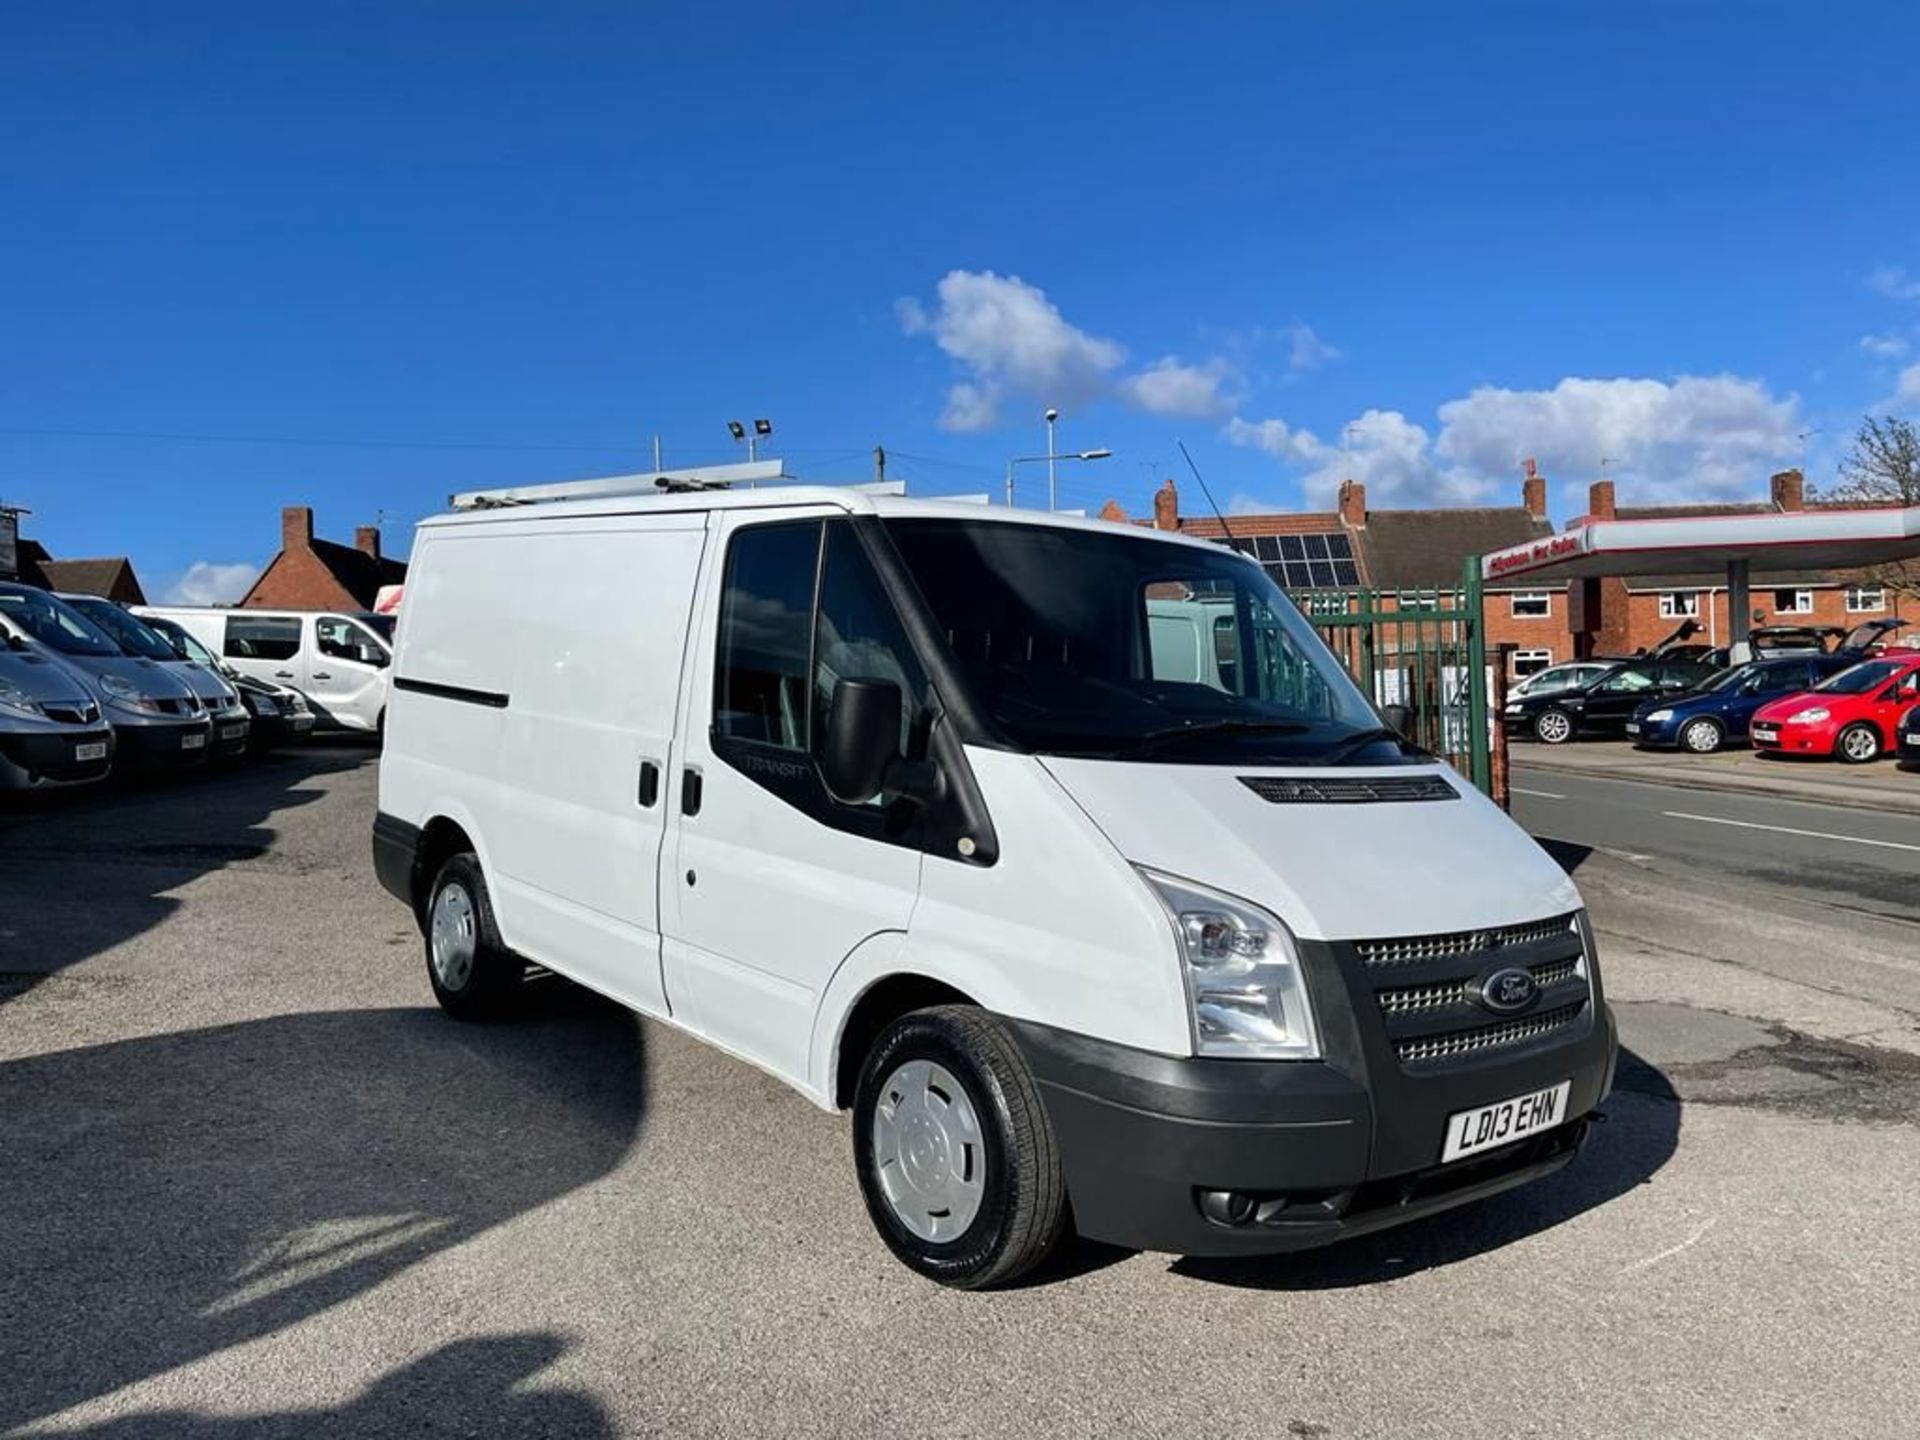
[(1618, 616), (313, 574), (1396, 552), (111, 576)]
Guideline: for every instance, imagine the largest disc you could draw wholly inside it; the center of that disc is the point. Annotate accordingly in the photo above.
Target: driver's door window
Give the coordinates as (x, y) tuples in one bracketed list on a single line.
[(1627, 682), (341, 639), (858, 636)]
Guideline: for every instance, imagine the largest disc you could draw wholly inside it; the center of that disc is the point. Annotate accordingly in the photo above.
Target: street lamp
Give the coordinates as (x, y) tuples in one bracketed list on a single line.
[(1050, 458), (1052, 415)]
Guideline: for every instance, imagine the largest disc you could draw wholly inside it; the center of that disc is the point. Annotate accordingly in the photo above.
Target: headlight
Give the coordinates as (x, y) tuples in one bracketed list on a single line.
[(1809, 717), (1652, 716), (123, 694), (1246, 994), (13, 698), (264, 705)]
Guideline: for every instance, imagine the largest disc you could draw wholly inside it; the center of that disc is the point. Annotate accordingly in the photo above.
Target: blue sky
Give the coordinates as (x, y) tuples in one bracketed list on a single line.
[(475, 244)]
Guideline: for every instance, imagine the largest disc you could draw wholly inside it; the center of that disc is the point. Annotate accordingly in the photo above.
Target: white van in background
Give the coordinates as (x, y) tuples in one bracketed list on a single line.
[(339, 660), (1063, 854)]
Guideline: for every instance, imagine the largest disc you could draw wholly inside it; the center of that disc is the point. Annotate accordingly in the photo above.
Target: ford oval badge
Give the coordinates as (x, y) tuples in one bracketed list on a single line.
[(1508, 990)]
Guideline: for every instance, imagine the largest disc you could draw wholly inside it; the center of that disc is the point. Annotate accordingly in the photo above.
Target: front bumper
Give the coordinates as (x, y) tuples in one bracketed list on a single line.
[(1772, 735), (230, 734), (1655, 734), (161, 749), (52, 757), (1326, 1150)]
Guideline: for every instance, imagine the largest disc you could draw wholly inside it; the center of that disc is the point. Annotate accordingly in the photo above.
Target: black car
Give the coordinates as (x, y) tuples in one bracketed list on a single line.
[(1907, 740), (278, 714), (1605, 702)]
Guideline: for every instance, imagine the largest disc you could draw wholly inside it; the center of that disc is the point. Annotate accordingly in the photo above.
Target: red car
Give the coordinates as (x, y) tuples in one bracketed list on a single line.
[(1852, 716)]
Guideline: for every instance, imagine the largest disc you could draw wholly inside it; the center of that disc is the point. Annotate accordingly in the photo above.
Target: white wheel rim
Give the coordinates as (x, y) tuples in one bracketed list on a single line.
[(1859, 745), (1701, 736), (1554, 727), (452, 936), (928, 1155)]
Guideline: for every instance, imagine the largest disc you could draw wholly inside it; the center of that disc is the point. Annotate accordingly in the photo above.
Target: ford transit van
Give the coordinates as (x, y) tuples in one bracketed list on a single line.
[(1063, 854), (339, 661), (159, 725)]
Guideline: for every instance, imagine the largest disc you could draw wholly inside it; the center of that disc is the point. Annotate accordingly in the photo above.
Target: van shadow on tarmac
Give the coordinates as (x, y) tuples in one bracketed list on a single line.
[(179, 1194), (73, 884)]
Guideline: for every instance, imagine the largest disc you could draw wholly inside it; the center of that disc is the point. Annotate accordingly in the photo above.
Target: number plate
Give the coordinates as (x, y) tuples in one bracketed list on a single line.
[(1766, 732), (1491, 1126), (232, 732), (1633, 727), (193, 742), (95, 751)]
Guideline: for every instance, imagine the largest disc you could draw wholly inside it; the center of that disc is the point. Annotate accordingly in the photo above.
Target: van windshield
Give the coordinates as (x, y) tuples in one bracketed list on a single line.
[(55, 625), (1125, 647), (129, 634)]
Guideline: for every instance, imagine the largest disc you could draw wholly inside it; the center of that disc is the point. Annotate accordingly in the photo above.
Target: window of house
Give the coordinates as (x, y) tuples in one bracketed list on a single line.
[(262, 637), (1793, 602), (1531, 605), (766, 635), (1862, 599), (1531, 662), (1679, 604)]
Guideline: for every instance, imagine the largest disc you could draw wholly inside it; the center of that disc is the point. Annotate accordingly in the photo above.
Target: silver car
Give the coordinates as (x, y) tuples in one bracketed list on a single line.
[(136, 638), (51, 728), (159, 724)]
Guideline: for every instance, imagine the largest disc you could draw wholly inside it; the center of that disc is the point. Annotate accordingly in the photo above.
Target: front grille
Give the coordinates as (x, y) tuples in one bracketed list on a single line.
[(1488, 1037), (72, 714), (1349, 789), (1429, 989), (1414, 949)]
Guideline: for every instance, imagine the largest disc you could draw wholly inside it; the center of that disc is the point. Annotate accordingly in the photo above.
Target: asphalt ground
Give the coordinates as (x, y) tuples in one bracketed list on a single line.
[(252, 1183)]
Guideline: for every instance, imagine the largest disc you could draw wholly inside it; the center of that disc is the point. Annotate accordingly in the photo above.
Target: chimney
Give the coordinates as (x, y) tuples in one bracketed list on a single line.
[(1112, 511), (366, 539), (296, 528), (1166, 506), (1789, 490), (1600, 500), (1533, 491), (1353, 504)]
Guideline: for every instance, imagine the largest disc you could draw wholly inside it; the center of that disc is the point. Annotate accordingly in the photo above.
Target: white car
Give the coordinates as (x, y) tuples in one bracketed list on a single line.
[(916, 807), (338, 660)]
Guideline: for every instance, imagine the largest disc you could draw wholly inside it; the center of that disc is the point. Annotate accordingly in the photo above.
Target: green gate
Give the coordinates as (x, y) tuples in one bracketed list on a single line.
[(1424, 649)]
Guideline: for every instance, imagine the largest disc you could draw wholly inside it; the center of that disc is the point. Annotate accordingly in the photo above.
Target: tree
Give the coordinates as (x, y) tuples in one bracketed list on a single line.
[(1883, 468)]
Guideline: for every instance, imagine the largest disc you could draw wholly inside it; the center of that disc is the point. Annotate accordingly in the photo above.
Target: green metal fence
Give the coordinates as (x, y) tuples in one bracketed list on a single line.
[(1424, 649)]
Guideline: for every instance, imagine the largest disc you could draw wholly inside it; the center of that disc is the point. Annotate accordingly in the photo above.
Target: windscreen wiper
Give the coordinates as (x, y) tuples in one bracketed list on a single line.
[(1361, 739), (1173, 734)]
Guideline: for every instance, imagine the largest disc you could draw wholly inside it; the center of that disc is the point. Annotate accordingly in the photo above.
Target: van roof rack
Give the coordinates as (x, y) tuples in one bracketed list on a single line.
[(690, 479)]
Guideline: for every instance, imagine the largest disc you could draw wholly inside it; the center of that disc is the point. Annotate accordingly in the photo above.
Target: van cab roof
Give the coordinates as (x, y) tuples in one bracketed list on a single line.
[(790, 497)]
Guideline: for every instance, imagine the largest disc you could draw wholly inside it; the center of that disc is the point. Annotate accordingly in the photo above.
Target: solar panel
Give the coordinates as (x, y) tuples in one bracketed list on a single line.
[(1303, 562)]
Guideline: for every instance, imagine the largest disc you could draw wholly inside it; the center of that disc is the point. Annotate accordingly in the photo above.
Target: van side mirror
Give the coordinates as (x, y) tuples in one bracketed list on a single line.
[(862, 739), (1396, 717)]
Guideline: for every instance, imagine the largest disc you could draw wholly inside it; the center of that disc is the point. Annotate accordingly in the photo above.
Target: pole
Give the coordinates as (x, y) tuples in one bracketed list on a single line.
[(1739, 612), (880, 463), (1009, 484), (656, 454), (1053, 496)]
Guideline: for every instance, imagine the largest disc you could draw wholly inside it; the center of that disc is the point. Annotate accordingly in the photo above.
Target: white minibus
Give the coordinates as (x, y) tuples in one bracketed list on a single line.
[(338, 660), (1063, 854)]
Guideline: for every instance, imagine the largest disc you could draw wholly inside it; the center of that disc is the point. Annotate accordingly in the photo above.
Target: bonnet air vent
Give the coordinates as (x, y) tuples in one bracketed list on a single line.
[(1349, 789)]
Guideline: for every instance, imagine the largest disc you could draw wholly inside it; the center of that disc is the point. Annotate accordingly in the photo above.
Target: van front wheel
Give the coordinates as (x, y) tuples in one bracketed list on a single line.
[(473, 975), (955, 1154)]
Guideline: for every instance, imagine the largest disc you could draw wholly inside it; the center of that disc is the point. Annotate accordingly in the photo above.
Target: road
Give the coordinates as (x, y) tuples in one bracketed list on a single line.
[(1854, 859), (253, 1183)]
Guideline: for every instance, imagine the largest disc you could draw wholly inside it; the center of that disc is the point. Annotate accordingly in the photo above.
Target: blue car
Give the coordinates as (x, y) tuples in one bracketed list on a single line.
[(1718, 709)]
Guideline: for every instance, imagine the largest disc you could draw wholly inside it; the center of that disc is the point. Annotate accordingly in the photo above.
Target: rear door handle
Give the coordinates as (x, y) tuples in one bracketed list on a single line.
[(649, 784), (322, 675), (283, 674), (690, 789)]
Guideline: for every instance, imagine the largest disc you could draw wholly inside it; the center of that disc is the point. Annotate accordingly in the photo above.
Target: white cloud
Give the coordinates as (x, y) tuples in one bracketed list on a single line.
[(205, 583), (1884, 347), (1908, 392), (1306, 350), (1009, 340), (1894, 282), (1171, 387), (1696, 438)]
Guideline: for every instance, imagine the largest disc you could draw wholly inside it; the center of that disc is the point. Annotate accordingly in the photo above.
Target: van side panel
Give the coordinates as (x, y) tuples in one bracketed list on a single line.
[(598, 623)]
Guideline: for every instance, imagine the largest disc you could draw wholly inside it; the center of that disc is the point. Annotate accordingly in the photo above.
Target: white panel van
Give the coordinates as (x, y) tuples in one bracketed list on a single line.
[(338, 660), (1062, 854)]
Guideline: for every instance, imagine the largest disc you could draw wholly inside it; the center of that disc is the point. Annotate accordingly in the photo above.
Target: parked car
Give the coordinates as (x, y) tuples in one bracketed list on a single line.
[(1908, 738), (901, 802), (339, 661), (1851, 716), (1564, 676), (159, 724), (1603, 703), (51, 728), (1878, 637), (1718, 710), (278, 714), (135, 638)]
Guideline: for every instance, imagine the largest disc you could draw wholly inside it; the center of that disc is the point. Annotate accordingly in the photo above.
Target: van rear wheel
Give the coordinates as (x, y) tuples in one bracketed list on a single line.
[(473, 975), (955, 1155)]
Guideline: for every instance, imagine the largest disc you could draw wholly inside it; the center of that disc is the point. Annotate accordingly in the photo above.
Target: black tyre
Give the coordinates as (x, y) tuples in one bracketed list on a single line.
[(1553, 727), (473, 975), (1857, 744), (955, 1154), (1702, 736)]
